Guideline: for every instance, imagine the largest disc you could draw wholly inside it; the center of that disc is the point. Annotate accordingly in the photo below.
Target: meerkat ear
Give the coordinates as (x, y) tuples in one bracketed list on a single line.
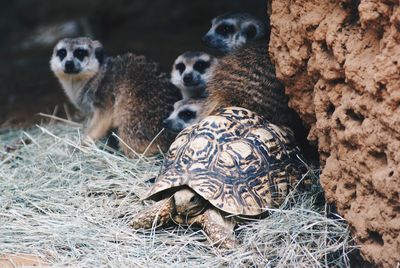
[(98, 51)]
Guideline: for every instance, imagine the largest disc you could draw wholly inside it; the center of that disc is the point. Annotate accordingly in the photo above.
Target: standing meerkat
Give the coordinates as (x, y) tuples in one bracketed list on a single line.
[(126, 92), (191, 72), (245, 76)]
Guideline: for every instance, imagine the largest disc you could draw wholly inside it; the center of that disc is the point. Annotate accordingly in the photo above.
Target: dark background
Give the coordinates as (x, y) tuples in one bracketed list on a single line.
[(159, 29)]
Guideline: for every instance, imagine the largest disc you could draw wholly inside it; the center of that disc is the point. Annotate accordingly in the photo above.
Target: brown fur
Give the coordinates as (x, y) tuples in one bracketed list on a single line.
[(131, 94), (246, 78), (127, 93)]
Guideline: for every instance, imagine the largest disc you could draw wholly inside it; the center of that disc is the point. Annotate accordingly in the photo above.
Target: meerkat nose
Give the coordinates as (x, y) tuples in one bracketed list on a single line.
[(69, 65), (188, 78), (166, 123)]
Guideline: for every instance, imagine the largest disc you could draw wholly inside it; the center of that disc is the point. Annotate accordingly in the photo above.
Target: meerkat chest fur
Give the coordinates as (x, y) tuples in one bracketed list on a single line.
[(76, 90)]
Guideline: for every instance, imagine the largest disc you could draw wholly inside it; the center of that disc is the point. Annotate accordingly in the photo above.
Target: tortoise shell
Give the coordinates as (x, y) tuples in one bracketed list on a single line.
[(239, 162)]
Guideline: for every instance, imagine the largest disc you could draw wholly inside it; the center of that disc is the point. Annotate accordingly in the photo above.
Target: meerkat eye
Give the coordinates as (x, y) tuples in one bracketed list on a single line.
[(225, 29), (61, 53), (201, 66), (180, 67), (250, 31), (80, 53), (187, 115)]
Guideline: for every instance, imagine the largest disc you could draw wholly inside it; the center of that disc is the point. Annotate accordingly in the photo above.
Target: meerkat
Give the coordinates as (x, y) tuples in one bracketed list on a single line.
[(245, 76), (186, 113), (191, 72), (232, 30), (127, 93)]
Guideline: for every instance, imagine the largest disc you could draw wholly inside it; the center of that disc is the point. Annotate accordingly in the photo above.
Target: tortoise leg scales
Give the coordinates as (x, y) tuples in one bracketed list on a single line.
[(158, 214), (218, 229)]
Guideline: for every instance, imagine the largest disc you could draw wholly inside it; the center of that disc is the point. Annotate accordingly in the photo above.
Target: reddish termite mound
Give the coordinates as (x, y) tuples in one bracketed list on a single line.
[(340, 61)]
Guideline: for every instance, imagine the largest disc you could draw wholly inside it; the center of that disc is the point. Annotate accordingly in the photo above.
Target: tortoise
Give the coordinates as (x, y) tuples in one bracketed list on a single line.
[(231, 163)]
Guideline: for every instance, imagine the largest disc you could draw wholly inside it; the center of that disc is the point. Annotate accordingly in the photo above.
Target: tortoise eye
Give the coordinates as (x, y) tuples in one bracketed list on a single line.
[(194, 199), (225, 29), (180, 67), (186, 115), (201, 66), (61, 53), (80, 53)]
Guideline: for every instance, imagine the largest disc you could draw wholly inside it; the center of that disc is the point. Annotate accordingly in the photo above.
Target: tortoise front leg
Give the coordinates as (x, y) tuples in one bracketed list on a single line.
[(158, 214), (218, 229)]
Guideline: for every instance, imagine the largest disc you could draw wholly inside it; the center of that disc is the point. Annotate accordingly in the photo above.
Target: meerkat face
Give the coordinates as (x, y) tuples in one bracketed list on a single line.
[(192, 70), (186, 113), (232, 30), (77, 58)]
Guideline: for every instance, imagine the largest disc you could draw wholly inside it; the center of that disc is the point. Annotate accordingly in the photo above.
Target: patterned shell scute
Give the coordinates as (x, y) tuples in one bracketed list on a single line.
[(237, 161)]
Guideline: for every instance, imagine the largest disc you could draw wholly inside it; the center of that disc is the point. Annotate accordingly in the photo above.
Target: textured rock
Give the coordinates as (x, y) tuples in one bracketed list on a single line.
[(340, 61)]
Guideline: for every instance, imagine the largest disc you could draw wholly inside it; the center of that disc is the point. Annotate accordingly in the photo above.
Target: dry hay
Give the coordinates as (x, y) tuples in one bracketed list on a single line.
[(71, 206)]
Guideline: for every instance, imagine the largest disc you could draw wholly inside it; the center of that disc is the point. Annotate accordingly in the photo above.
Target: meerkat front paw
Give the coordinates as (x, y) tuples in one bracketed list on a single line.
[(87, 142)]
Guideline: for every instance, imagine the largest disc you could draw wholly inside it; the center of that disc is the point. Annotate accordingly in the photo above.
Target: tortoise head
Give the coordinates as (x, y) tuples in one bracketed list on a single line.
[(188, 203)]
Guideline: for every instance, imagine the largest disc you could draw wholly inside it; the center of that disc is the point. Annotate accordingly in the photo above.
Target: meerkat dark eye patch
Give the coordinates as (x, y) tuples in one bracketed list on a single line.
[(225, 29), (180, 67), (187, 115), (80, 53), (61, 53), (201, 66), (250, 31)]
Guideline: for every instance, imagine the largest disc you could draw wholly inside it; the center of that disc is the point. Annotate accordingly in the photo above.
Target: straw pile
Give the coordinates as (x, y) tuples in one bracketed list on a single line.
[(71, 205)]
